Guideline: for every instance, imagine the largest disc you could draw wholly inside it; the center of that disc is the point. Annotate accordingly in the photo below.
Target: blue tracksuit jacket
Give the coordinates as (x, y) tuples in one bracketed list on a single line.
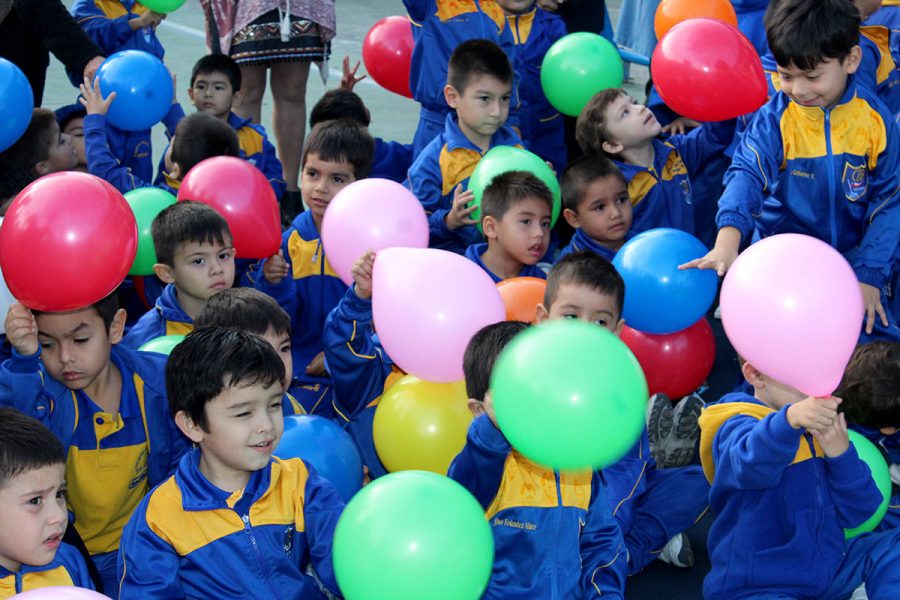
[(475, 251), (190, 539), (581, 241), (448, 160), (66, 569), (166, 318), (392, 160), (554, 536)]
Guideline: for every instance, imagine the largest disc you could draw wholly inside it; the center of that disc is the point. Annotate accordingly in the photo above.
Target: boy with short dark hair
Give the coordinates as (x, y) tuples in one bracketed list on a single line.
[(195, 254), (71, 123), (515, 217), (33, 515), (107, 405), (479, 87), (596, 204), (233, 521)]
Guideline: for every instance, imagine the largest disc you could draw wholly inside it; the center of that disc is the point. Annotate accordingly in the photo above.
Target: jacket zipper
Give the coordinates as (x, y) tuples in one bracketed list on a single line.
[(248, 529)]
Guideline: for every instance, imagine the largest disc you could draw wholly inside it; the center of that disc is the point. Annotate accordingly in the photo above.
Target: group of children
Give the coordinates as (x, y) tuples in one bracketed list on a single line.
[(164, 467)]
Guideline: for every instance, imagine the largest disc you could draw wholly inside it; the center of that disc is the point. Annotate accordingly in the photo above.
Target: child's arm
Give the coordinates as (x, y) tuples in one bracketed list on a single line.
[(322, 507), (446, 224), (604, 564), (148, 565), (700, 145), (418, 10), (273, 277), (107, 33), (479, 466)]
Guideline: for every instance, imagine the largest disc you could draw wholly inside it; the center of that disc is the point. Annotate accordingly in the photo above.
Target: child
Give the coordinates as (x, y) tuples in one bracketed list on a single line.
[(515, 218), (233, 521), (785, 484), (33, 515), (888, 15), (554, 535), (596, 204), (71, 123), (479, 84), (439, 26), (195, 255), (534, 31), (658, 173), (254, 312), (106, 404), (820, 158), (336, 154)]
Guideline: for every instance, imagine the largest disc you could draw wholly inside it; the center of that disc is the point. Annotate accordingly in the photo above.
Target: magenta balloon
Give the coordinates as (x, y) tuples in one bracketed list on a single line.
[(371, 214), (427, 305), (792, 307), (60, 593)]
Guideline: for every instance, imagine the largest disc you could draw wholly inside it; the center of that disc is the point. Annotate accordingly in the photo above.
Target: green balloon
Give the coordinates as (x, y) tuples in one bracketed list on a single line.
[(578, 66), (163, 6), (870, 455), (569, 395), (501, 159), (146, 203), (161, 345), (409, 532)]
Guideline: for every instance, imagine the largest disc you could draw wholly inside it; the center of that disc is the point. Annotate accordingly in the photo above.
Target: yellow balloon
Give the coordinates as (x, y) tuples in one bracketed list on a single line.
[(421, 425)]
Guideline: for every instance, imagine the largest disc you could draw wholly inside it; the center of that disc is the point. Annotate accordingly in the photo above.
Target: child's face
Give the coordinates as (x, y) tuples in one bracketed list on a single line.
[(821, 86), (75, 346), (582, 302), (281, 342), (200, 270), (773, 394), (62, 156), (482, 106), (321, 180), (604, 211), (211, 93), (75, 130), (33, 517), (523, 232), (629, 124), (515, 7)]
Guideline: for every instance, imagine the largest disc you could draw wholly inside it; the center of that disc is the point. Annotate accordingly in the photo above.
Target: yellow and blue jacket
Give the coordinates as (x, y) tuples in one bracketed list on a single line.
[(878, 66), (833, 174), (888, 16), (475, 251), (447, 161), (582, 241), (166, 318), (554, 534), (190, 539), (112, 460), (781, 504), (66, 569)]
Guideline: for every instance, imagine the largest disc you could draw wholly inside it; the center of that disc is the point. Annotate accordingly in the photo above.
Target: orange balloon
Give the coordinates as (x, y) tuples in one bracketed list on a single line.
[(521, 295), (672, 12)]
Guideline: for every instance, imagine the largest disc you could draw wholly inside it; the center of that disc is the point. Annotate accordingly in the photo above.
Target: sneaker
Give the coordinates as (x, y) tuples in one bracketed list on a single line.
[(681, 443), (659, 424), (678, 552)]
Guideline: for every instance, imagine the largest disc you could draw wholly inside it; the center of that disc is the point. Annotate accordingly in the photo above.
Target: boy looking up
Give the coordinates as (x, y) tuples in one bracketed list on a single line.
[(479, 86), (233, 521), (195, 251), (515, 217)]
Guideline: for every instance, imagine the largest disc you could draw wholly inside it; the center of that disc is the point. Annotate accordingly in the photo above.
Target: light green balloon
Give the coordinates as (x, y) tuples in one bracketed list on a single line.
[(163, 6), (412, 535), (569, 395), (870, 455), (162, 344), (578, 66), (146, 203)]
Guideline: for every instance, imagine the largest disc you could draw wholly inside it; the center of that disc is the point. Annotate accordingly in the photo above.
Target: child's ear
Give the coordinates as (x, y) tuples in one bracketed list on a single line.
[(451, 96), (191, 430), (164, 272), (175, 172), (42, 168), (571, 218), (752, 375), (190, 91), (619, 326), (236, 99), (612, 148), (852, 60), (476, 406), (489, 226), (117, 327), (541, 314)]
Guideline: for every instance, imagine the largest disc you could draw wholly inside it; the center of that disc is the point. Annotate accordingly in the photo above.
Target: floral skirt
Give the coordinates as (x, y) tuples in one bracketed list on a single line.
[(259, 43)]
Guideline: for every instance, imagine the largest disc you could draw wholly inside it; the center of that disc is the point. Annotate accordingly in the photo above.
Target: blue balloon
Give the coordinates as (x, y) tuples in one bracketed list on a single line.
[(143, 89), (327, 447), (17, 102), (659, 298)]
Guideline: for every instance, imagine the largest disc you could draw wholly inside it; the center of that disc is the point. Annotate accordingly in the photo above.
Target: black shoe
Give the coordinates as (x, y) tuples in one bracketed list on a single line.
[(680, 445)]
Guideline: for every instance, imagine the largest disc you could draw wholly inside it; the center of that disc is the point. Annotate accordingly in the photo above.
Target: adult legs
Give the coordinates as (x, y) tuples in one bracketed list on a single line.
[(253, 86), (288, 83)]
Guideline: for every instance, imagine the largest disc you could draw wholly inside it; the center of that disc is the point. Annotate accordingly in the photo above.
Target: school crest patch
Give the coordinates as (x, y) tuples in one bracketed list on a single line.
[(855, 181)]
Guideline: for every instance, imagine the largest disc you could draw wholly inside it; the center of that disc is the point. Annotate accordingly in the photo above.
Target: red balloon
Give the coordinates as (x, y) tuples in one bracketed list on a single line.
[(243, 195), (707, 70), (387, 53), (67, 241), (677, 363)]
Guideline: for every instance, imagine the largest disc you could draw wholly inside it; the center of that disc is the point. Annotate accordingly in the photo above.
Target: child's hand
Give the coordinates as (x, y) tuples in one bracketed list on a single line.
[(276, 268), (872, 300), (316, 367), (149, 19), (834, 440), (362, 275), (174, 85), (813, 413), (459, 213), (723, 254), (680, 125), (550, 5), (21, 329), (349, 78), (92, 99)]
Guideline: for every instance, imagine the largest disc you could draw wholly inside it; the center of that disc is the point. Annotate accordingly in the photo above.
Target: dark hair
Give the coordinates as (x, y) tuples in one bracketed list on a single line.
[(803, 33), (211, 359), (246, 309), (870, 388), (106, 307), (477, 57), (341, 140), (200, 136), (17, 162), (590, 128), (587, 269), (25, 445), (183, 222), (482, 352), (340, 104), (218, 63), (511, 187), (581, 173)]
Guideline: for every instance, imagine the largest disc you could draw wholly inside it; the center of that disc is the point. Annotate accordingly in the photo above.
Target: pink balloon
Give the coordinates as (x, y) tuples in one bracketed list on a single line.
[(427, 305), (792, 307), (60, 593), (371, 214)]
